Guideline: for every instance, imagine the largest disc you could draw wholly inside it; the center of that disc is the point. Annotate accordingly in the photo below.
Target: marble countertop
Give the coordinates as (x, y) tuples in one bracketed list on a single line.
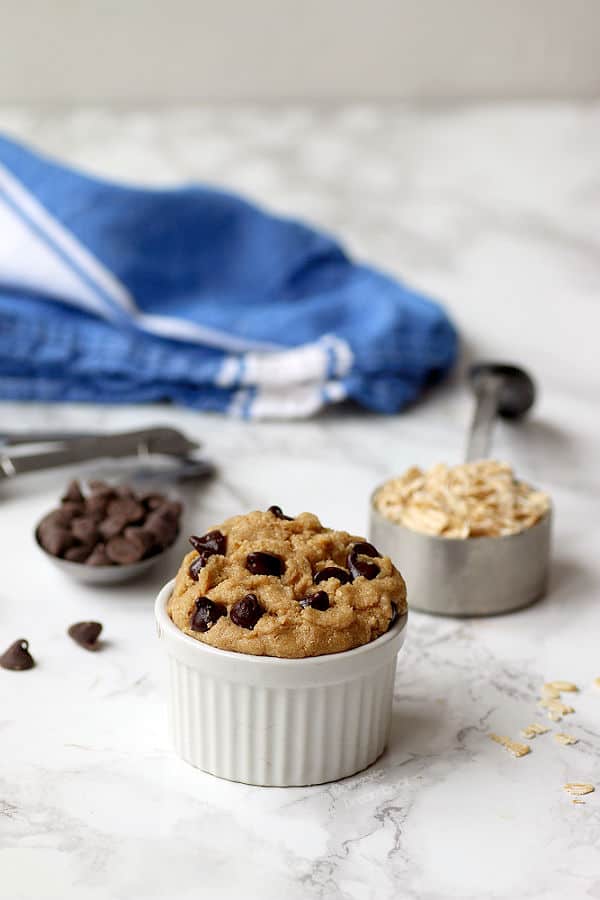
[(497, 211)]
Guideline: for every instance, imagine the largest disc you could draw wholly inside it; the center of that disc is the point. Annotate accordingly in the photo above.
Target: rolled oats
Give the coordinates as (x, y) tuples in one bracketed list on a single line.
[(514, 747), (577, 788), (556, 708), (560, 686), (565, 739), (549, 692), (531, 731), (475, 499)]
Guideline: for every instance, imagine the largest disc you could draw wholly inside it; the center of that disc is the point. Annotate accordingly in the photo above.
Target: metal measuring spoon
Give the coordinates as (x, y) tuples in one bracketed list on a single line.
[(479, 576), (499, 389)]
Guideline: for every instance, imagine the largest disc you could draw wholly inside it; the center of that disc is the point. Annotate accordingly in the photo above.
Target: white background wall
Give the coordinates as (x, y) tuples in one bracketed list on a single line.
[(187, 50)]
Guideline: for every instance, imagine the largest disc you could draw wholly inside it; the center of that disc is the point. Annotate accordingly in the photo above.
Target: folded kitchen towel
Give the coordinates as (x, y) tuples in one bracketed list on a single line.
[(118, 294)]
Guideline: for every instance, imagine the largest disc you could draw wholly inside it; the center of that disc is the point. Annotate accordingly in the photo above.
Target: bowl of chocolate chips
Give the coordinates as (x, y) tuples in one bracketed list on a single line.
[(107, 534)]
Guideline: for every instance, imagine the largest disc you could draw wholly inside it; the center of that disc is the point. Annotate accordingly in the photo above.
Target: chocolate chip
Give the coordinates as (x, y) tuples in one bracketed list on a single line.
[(79, 553), (85, 529), (166, 512), (142, 539), (98, 556), (86, 634), (276, 510), (342, 575), (96, 504), (198, 564), (100, 487), (125, 490), (363, 548), (206, 612), (246, 612), (265, 564), (151, 499), (71, 509), (213, 543), (112, 526), (172, 508), (163, 529), (362, 567), (125, 508), (56, 517), (72, 493), (212, 540), (394, 614), (55, 539), (318, 600), (122, 551), (17, 657)]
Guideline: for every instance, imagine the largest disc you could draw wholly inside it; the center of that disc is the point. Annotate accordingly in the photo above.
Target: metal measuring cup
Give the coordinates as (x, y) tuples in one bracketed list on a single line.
[(479, 576)]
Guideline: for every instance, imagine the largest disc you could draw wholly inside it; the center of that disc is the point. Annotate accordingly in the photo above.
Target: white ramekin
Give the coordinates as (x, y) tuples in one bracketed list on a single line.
[(269, 721)]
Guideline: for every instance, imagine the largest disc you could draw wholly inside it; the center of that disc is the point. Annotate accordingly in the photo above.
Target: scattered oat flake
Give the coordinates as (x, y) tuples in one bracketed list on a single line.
[(550, 692), (561, 686), (578, 800), (531, 731), (556, 708), (565, 739), (597, 682), (577, 788), (513, 747)]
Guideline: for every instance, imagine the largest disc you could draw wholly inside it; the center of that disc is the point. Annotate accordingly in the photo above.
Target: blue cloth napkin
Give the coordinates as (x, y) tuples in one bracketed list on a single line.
[(116, 294)]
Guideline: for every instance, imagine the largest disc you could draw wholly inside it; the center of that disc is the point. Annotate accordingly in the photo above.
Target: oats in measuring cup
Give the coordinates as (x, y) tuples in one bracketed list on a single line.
[(475, 499)]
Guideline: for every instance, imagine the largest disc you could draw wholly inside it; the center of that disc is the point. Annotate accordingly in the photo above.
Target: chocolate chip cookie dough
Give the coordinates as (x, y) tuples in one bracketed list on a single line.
[(270, 585)]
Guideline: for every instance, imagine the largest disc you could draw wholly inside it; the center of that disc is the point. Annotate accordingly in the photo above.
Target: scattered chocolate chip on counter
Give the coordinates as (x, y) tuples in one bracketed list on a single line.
[(109, 525), (17, 657), (86, 634)]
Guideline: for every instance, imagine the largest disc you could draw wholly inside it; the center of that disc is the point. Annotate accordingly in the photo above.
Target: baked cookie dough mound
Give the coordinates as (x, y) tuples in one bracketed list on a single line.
[(270, 585)]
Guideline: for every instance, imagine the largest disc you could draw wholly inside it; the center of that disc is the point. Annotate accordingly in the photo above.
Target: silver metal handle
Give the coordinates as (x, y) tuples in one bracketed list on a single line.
[(487, 397), (165, 441), (500, 389)]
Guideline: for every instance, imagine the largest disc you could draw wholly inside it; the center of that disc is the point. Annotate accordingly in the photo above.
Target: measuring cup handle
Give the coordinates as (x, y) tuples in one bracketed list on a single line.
[(486, 408)]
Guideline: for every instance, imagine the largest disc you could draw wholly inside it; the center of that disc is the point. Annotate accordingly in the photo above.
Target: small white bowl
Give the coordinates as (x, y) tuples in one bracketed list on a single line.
[(279, 722)]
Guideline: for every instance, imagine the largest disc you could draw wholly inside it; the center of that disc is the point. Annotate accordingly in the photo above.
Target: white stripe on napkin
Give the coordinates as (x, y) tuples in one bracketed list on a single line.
[(92, 276), (317, 362), (292, 403), (27, 262), (65, 246)]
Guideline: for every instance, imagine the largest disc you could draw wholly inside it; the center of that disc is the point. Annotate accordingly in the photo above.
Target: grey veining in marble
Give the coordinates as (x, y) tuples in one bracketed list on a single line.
[(497, 212)]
